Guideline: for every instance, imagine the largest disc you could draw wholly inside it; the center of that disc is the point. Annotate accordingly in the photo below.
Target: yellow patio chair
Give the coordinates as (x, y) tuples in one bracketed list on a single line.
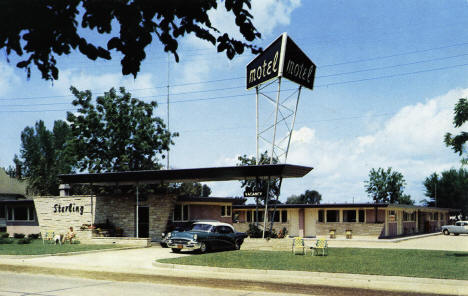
[(48, 236), (321, 244), (298, 243)]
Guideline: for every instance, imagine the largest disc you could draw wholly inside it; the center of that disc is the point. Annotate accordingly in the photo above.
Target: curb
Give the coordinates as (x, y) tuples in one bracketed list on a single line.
[(68, 253)]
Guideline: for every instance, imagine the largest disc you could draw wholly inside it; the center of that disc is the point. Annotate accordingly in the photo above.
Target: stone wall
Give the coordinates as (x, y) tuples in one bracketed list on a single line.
[(359, 229), (121, 211), (57, 214)]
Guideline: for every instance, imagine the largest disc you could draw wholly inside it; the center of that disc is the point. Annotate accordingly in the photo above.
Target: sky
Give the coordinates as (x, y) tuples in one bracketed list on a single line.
[(388, 76)]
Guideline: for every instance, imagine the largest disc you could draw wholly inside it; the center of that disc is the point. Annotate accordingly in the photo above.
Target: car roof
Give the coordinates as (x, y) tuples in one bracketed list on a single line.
[(214, 223)]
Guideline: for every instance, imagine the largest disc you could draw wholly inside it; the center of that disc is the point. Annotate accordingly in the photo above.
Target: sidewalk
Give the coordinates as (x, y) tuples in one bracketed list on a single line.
[(140, 265)]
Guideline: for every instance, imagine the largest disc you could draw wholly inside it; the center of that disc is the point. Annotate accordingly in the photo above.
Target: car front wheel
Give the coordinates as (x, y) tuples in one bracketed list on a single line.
[(175, 250), (203, 247), (446, 232), (237, 244)]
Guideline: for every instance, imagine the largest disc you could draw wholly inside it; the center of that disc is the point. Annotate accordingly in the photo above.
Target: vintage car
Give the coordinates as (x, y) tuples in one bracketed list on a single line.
[(205, 236), (182, 226), (460, 227)]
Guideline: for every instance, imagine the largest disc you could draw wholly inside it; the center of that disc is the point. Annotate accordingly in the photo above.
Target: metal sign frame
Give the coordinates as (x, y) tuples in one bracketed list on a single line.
[(262, 73)]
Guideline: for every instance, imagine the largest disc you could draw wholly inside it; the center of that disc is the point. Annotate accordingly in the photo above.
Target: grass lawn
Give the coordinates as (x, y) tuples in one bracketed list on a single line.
[(410, 263), (37, 248)]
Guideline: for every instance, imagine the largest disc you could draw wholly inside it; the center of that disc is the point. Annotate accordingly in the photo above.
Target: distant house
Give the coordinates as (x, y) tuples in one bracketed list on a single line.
[(372, 220), (17, 213)]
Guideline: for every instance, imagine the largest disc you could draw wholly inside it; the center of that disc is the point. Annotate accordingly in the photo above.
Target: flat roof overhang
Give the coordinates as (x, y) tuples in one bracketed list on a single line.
[(188, 175)]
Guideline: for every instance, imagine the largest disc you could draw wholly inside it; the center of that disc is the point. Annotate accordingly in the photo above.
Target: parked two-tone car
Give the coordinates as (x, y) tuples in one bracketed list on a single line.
[(205, 236), (460, 227)]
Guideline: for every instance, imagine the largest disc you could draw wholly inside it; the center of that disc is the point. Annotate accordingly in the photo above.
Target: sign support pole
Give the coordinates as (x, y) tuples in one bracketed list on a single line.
[(276, 121), (265, 215), (137, 210), (257, 159)]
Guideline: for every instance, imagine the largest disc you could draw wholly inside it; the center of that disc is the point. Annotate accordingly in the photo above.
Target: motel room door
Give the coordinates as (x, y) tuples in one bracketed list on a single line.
[(143, 221), (310, 215)]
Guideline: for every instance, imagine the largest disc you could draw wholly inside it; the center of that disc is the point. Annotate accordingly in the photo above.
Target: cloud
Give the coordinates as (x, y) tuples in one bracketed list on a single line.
[(411, 142), (8, 78)]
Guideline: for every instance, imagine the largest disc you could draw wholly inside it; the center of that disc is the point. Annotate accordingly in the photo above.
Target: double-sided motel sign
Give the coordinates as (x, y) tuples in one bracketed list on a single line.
[(283, 58)]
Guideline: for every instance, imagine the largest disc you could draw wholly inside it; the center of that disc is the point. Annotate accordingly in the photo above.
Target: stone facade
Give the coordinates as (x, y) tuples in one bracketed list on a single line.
[(359, 229), (57, 214)]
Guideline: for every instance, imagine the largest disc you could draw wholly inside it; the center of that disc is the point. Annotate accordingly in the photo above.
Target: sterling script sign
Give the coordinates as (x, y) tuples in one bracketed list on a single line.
[(283, 58)]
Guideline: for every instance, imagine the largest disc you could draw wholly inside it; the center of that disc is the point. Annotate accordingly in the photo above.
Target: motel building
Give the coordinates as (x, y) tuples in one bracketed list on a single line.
[(139, 218)]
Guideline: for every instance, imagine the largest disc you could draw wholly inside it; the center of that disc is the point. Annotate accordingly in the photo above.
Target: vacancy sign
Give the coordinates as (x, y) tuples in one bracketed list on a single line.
[(283, 58)]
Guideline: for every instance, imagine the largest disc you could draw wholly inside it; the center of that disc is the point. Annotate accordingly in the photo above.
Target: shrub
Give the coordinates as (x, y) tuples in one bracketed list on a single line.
[(256, 232), (5, 240), (282, 233), (24, 241), (4, 235), (34, 235), (18, 235)]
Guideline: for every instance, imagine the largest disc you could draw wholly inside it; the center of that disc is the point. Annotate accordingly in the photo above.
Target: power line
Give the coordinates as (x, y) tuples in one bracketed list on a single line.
[(393, 66), (393, 55)]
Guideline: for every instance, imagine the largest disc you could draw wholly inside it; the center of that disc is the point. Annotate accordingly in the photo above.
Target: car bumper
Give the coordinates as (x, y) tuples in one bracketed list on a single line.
[(191, 245)]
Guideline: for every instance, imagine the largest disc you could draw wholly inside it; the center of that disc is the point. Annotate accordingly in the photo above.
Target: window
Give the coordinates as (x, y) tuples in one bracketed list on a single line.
[(333, 216), (413, 216), (320, 216), (235, 216), (249, 216), (436, 216), (225, 211), (181, 213), (409, 216), (349, 216), (362, 216), (276, 218), (20, 213), (2, 212), (284, 216), (392, 216), (224, 229)]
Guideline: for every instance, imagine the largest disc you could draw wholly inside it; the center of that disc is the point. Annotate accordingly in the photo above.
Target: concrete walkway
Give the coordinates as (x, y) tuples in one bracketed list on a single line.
[(140, 265)]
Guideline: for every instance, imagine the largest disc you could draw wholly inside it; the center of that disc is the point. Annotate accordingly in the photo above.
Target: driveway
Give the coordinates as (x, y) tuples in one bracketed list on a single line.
[(133, 259)]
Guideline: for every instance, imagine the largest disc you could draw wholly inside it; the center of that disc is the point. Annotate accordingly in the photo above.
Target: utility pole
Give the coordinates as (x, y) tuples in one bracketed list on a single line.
[(168, 129)]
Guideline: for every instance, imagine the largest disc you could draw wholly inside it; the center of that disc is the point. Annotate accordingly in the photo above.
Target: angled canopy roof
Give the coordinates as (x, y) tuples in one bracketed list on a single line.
[(189, 175)]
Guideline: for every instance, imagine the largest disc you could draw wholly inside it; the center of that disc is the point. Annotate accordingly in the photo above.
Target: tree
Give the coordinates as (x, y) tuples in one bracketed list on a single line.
[(272, 186), (311, 197), (41, 30), (458, 142), (260, 184), (448, 190), (385, 186), (120, 133), (44, 155), (193, 189)]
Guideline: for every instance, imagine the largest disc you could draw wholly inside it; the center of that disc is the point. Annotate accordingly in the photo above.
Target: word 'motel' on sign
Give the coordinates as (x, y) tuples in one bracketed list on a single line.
[(283, 58)]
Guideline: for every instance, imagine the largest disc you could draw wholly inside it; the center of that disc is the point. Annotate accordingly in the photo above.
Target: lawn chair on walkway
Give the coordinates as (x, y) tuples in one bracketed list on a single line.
[(321, 244), (298, 243)]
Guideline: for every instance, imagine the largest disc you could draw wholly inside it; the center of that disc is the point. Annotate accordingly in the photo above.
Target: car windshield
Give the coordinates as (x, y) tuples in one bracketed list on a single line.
[(201, 227)]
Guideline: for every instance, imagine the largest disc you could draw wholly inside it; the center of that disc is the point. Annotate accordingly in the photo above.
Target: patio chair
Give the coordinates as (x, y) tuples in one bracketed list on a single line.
[(298, 243), (321, 244), (47, 236)]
